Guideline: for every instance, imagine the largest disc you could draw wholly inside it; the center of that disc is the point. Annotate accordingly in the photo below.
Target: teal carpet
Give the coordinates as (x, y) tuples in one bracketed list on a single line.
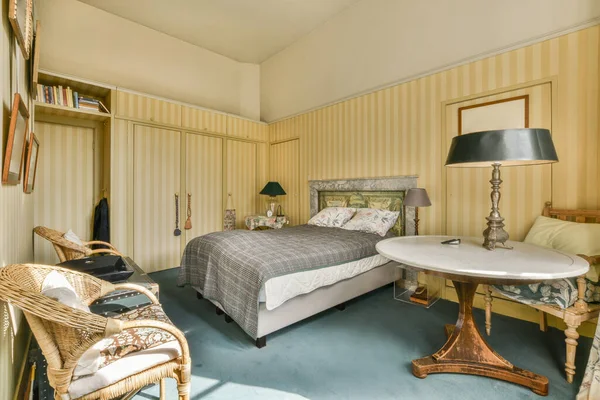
[(363, 352)]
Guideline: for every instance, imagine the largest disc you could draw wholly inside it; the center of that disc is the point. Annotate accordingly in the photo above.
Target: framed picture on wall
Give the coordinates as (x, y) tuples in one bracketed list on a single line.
[(33, 150), (35, 59), (16, 142), (511, 113), (20, 15)]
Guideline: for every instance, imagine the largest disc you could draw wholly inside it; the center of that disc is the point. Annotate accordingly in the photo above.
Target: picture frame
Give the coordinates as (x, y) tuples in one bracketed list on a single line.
[(20, 15), (510, 113), (35, 59), (16, 142), (31, 163)]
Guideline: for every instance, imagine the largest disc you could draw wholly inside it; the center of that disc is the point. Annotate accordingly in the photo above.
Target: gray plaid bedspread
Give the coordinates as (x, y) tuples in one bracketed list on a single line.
[(231, 267)]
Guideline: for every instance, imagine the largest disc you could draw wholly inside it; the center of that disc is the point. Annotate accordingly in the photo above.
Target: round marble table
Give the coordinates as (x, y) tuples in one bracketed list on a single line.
[(468, 265)]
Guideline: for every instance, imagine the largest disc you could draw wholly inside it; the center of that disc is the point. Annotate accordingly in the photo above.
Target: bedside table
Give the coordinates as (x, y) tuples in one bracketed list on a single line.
[(255, 221)]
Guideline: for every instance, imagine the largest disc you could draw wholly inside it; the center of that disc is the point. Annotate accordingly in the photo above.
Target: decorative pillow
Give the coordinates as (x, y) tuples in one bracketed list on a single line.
[(57, 287), (115, 347), (72, 237), (570, 237), (371, 220), (332, 217)]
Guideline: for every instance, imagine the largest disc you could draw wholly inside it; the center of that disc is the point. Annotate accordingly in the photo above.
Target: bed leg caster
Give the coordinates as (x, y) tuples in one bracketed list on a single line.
[(199, 296), (228, 319), (219, 311), (341, 306), (261, 342)]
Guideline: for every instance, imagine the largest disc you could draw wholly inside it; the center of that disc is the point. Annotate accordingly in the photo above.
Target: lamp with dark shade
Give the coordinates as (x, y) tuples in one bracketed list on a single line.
[(417, 197), (508, 147), (272, 189)]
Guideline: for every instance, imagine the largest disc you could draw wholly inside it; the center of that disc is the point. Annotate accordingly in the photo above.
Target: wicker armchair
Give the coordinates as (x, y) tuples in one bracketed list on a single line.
[(67, 250), (65, 333)]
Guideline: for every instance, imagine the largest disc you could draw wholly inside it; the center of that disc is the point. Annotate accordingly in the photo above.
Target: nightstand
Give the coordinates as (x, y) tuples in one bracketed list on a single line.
[(257, 221)]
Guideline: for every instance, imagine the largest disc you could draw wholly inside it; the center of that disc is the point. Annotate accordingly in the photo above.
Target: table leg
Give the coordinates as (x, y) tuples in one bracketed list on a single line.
[(466, 352)]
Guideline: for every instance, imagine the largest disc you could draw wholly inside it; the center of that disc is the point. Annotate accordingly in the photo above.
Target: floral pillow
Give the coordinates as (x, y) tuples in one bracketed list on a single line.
[(371, 220), (332, 217)]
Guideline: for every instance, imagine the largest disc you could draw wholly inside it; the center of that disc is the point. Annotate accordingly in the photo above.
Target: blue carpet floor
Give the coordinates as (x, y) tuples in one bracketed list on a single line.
[(363, 352)]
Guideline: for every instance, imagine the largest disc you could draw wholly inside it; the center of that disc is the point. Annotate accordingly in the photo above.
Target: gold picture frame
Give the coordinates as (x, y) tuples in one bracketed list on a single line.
[(514, 117), (15, 144), (31, 163), (20, 15)]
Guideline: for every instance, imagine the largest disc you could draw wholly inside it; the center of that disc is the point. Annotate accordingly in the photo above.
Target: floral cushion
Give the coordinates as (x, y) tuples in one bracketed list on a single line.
[(332, 217), (561, 292), (129, 341), (371, 220), (590, 386)]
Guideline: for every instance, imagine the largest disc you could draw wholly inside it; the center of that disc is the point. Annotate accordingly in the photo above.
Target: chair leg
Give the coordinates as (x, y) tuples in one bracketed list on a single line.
[(184, 380), (488, 309), (163, 389), (571, 340), (543, 322)]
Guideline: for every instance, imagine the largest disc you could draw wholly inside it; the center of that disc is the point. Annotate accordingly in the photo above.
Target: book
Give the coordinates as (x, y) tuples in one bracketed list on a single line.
[(76, 99), (59, 91), (420, 296)]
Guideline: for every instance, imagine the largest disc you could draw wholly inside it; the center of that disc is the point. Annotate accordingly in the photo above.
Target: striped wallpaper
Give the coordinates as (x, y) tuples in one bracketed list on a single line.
[(64, 192), (399, 130), (284, 158)]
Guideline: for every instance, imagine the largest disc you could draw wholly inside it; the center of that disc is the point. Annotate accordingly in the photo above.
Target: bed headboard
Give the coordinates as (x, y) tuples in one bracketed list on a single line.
[(382, 193)]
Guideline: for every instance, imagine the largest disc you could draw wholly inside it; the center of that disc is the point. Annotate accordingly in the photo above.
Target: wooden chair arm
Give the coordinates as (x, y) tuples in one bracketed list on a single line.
[(149, 323), (109, 251), (100, 242), (137, 288)]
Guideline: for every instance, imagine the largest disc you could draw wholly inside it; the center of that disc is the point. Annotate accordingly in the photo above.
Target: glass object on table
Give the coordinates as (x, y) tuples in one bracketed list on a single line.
[(423, 291)]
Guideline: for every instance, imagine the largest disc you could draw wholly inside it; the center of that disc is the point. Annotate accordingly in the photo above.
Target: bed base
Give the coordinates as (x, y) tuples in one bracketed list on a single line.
[(321, 299)]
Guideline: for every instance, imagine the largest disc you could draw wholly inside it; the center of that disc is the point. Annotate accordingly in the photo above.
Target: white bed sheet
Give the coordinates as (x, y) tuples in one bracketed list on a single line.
[(277, 291)]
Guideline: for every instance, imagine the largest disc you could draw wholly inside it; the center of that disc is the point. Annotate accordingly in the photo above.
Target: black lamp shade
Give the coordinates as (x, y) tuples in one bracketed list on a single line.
[(273, 189), (507, 147)]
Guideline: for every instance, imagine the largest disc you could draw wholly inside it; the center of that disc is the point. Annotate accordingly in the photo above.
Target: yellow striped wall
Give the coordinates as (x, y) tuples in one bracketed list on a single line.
[(401, 130)]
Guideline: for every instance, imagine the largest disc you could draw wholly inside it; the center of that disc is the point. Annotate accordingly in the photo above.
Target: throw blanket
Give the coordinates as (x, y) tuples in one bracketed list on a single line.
[(231, 267), (590, 387)]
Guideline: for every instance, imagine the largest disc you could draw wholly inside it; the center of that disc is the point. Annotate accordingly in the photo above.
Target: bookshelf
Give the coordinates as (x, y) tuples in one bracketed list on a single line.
[(83, 89)]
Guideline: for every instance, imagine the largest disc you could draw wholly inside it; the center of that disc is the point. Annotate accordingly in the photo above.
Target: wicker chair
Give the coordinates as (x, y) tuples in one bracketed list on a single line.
[(67, 250), (65, 333)]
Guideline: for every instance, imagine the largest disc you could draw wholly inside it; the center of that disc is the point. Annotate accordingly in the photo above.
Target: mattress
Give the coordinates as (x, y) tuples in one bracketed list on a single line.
[(278, 290)]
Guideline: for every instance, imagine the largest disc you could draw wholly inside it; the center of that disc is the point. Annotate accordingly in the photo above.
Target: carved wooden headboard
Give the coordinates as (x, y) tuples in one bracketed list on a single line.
[(382, 193), (588, 216)]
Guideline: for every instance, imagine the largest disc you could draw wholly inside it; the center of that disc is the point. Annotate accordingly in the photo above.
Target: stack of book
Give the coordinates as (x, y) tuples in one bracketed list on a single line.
[(66, 97)]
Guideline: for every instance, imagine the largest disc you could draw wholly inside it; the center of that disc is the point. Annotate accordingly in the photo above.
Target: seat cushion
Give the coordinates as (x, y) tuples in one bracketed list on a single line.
[(125, 353), (560, 292)]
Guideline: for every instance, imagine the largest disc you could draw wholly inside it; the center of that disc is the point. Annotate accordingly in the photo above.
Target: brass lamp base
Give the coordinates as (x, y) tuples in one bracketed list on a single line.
[(495, 232)]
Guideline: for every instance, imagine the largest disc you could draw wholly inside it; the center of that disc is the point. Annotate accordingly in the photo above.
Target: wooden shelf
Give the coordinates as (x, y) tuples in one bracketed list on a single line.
[(62, 111)]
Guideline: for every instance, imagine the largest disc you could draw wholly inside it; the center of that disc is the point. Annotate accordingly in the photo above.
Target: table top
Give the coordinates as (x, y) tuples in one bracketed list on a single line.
[(525, 262)]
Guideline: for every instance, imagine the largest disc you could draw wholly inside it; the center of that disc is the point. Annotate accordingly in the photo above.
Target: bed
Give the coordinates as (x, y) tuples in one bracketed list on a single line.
[(267, 280)]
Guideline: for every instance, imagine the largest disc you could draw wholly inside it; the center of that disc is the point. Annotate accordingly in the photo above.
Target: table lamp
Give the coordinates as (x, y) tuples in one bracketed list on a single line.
[(508, 147), (272, 189), (417, 197)]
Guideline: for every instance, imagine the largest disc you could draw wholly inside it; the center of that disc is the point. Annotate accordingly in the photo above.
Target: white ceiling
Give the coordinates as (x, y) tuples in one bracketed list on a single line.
[(244, 30)]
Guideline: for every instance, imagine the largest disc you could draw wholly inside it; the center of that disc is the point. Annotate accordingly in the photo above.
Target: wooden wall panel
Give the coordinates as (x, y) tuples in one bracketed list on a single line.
[(399, 130), (287, 173), (156, 179), (121, 170), (241, 178), (139, 107), (246, 129), (204, 181), (64, 190), (203, 120)]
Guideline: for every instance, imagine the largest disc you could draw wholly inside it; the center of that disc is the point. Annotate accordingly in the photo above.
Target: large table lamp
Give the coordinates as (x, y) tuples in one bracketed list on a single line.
[(272, 189), (417, 197), (508, 147)]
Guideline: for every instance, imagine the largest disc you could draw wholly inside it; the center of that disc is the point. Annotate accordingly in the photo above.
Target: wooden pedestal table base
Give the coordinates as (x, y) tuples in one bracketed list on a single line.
[(466, 352)]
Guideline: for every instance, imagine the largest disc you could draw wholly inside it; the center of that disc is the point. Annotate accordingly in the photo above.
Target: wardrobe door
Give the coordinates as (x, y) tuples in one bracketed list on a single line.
[(241, 179), (156, 180), (204, 182)]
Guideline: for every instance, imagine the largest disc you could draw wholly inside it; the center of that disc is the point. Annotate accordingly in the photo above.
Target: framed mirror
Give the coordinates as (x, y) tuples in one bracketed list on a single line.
[(33, 149), (15, 144)]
